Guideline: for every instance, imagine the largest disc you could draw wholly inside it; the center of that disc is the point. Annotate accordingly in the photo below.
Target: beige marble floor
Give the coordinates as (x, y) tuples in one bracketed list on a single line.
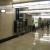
[(25, 42), (20, 43)]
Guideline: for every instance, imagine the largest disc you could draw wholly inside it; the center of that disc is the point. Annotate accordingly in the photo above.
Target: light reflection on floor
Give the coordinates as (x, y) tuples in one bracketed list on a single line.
[(27, 42)]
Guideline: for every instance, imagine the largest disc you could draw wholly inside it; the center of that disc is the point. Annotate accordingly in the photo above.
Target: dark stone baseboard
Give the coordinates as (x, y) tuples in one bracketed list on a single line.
[(11, 37)]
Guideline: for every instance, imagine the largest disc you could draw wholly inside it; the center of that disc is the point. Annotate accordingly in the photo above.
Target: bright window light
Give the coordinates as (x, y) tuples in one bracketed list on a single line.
[(2, 10)]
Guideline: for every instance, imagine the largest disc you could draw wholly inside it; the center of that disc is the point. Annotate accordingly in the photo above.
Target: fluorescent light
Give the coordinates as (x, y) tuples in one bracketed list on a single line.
[(16, 0), (35, 16), (2, 10), (35, 11), (41, 16), (31, 4), (39, 7)]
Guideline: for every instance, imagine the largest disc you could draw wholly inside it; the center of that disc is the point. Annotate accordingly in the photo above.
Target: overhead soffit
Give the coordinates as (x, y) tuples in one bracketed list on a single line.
[(24, 1), (5, 2)]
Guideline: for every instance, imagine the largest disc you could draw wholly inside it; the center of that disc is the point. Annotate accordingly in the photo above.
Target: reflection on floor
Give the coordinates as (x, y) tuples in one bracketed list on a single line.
[(21, 43), (43, 43)]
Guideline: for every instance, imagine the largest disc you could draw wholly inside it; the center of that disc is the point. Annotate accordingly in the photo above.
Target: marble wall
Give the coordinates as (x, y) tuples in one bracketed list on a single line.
[(6, 23)]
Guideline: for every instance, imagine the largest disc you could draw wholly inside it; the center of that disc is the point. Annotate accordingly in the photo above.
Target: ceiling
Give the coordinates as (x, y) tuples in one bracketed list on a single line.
[(6, 2)]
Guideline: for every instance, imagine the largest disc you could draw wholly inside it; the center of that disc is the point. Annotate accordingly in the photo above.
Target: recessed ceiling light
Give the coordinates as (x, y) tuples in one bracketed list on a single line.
[(2, 10)]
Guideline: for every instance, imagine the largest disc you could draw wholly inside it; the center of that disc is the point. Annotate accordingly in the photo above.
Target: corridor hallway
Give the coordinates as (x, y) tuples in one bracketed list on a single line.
[(24, 25)]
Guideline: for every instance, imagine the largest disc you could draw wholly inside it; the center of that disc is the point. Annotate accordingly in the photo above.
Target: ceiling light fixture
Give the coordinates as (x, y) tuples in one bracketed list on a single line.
[(2, 10)]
